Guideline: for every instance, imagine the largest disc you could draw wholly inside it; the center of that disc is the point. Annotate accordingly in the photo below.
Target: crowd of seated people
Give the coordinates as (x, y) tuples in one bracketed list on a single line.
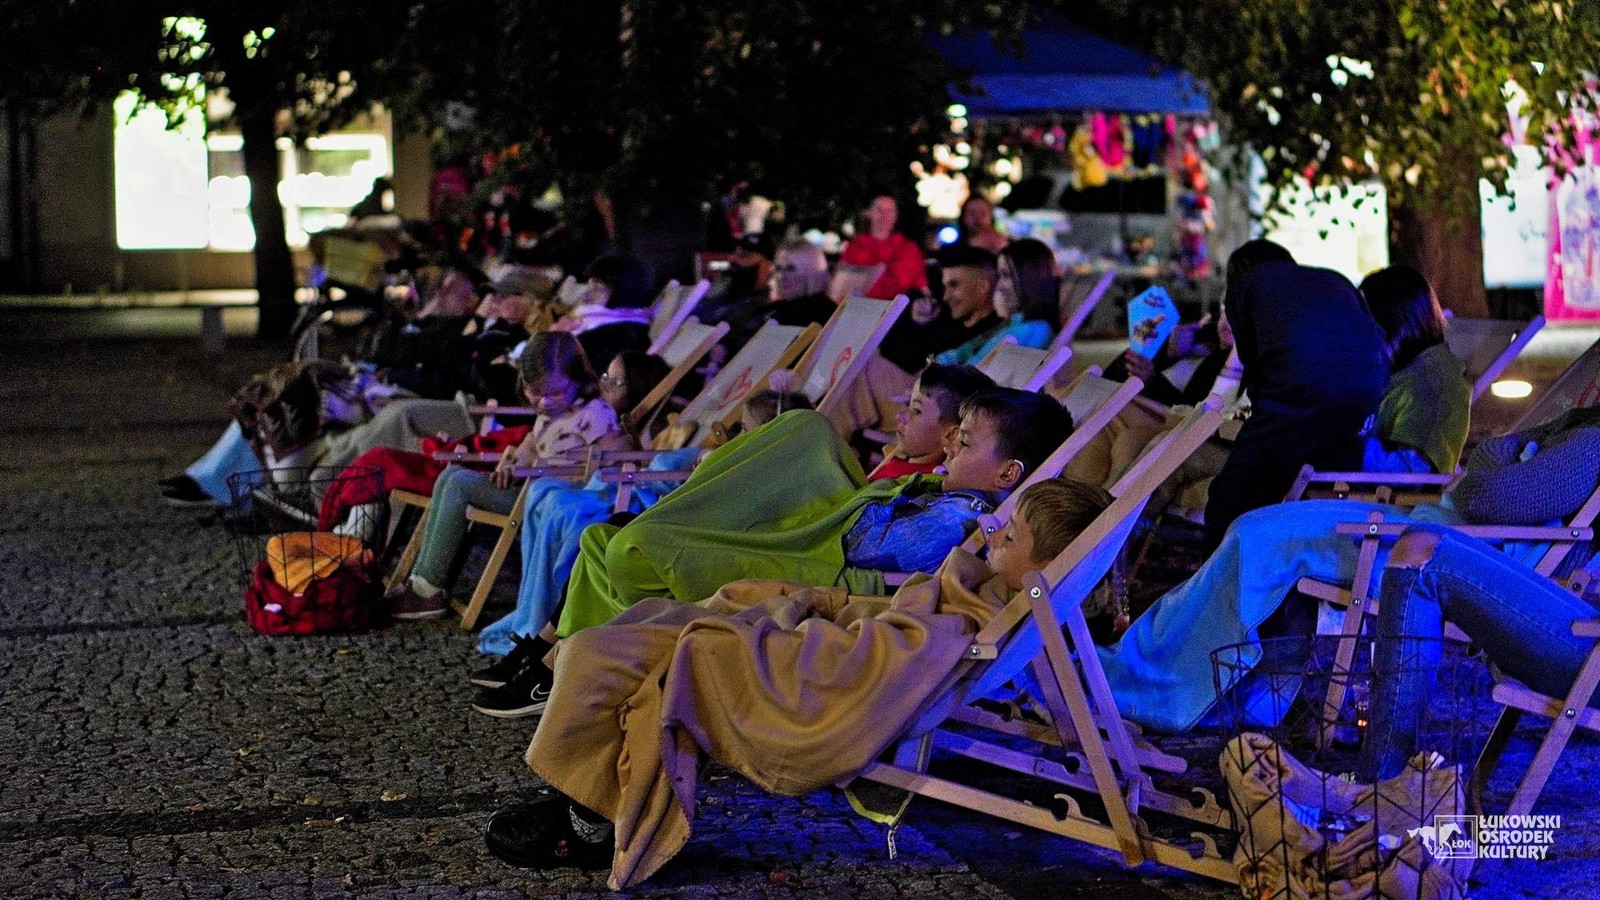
[(780, 532)]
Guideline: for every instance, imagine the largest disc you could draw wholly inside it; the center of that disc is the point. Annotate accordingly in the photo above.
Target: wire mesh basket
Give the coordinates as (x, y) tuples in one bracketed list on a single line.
[(1331, 802), (310, 543)]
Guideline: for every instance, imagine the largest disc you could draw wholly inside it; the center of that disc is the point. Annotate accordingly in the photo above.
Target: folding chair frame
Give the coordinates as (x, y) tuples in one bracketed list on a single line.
[(1084, 720)]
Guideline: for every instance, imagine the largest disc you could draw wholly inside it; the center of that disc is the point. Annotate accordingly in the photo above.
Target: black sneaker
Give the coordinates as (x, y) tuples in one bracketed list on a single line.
[(528, 650), (183, 491), (524, 695), (541, 836)]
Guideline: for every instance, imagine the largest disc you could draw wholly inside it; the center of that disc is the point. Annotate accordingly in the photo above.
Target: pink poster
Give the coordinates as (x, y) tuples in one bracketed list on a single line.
[(1572, 279)]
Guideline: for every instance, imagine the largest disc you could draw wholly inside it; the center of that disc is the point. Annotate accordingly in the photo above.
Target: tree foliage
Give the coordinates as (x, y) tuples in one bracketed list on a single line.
[(820, 100), (1407, 93)]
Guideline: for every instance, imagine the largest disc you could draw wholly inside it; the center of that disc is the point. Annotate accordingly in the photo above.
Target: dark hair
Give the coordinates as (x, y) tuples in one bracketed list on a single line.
[(1028, 426), (961, 256), (1033, 265), (641, 372), (556, 352), (1405, 307), (950, 386), (765, 405), (605, 269), (961, 217), (1057, 510), (628, 278), (1253, 253)]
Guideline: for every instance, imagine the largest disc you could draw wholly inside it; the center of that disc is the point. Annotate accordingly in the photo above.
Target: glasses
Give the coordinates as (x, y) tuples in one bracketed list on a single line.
[(613, 381)]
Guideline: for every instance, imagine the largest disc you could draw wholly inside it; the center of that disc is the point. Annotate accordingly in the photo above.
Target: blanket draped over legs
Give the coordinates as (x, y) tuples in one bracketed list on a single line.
[(773, 503), (795, 688)]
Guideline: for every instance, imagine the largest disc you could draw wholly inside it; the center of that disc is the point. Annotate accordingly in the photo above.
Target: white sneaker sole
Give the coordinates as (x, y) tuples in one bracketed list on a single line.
[(532, 709)]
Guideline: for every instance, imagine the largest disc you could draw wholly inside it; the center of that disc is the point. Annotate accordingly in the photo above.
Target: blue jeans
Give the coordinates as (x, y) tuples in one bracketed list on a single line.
[(230, 455), (1521, 619), (555, 514)]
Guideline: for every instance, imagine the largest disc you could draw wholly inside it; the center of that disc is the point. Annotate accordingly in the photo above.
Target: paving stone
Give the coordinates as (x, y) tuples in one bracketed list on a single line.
[(155, 747)]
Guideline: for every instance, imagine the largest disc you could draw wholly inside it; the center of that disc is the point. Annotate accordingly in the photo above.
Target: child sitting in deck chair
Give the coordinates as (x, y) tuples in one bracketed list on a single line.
[(794, 687), (555, 378), (930, 419), (554, 515), (558, 513), (790, 501)]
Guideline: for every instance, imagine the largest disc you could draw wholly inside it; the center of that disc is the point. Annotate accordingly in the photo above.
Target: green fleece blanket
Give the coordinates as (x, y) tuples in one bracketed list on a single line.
[(1427, 407), (774, 503)]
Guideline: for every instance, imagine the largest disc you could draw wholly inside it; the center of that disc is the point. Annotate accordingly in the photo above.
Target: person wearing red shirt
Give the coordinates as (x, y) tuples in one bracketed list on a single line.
[(881, 245)]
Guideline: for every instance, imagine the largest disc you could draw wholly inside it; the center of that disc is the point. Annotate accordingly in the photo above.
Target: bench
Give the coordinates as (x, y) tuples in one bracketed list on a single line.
[(210, 303)]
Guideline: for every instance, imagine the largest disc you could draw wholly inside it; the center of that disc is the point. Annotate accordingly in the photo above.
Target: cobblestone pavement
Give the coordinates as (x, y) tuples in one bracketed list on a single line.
[(155, 747)]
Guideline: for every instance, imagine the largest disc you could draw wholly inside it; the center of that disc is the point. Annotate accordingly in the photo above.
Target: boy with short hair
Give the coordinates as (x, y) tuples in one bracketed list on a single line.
[(929, 421)]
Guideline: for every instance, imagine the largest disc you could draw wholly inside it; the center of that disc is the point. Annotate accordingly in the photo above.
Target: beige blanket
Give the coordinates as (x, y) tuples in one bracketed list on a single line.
[(794, 687)]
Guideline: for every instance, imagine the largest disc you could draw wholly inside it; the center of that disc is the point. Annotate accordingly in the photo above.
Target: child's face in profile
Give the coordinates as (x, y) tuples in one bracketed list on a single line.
[(1011, 552), (975, 462), (920, 432), (614, 385)]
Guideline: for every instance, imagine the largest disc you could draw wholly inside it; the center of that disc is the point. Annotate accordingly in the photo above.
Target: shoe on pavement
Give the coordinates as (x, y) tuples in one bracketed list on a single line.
[(412, 606), (183, 491), (541, 836), (525, 695), (528, 650)]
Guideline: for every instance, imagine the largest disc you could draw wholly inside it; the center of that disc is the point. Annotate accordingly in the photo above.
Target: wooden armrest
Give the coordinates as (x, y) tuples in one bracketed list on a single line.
[(557, 471), (639, 475), (503, 411), (1401, 478), (1589, 628), (1331, 593), (1484, 532), (619, 456), (465, 456)]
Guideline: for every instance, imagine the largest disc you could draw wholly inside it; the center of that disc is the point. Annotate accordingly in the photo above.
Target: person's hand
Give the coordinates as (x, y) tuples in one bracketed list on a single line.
[(924, 310), (1138, 366), (502, 476)]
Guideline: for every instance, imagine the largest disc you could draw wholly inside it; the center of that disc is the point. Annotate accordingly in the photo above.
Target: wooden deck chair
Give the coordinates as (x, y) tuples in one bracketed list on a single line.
[(1566, 714), (1098, 401), (1015, 366), (687, 348), (708, 416), (1360, 598), (1577, 386), (1009, 365), (691, 344), (830, 365), (848, 341), (1086, 745), (1488, 346), (1080, 294), (673, 307)]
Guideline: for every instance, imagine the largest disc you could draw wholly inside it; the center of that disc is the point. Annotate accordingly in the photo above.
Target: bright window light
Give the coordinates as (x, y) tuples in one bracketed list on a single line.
[(160, 178), (1511, 390)]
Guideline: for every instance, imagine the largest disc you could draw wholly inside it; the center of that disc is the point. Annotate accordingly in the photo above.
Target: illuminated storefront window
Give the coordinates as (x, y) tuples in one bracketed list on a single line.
[(160, 177), (183, 189)]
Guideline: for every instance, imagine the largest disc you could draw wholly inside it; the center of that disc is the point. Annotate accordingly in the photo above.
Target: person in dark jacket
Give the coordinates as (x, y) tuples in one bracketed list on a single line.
[(1315, 367)]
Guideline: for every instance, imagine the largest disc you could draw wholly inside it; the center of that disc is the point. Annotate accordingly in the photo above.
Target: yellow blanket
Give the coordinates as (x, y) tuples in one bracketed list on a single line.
[(794, 687), (300, 557)]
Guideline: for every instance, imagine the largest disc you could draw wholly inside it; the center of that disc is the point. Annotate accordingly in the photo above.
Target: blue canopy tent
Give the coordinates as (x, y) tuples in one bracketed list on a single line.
[(1065, 68)]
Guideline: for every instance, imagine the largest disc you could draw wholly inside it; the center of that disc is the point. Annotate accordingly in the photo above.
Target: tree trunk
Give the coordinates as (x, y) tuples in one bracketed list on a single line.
[(274, 266), (1445, 244)]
